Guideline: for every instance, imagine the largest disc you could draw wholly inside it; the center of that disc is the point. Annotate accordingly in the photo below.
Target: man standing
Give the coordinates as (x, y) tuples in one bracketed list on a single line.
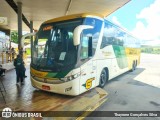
[(19, 66)]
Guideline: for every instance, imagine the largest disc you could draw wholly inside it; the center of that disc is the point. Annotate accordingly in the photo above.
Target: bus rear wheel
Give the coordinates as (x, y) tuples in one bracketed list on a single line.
[(133, 66), (103, 78)]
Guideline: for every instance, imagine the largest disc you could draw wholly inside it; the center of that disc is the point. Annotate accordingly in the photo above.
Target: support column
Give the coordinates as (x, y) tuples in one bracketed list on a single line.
[(19, 4), (31, 31)]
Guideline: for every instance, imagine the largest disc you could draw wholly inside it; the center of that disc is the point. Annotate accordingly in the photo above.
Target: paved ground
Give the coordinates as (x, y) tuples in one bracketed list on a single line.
[(135, 91), (27, 98)]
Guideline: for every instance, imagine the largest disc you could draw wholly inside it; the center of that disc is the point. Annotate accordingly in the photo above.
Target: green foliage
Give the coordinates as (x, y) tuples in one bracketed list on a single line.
[(151, 49), (28, 51), (14, 36)]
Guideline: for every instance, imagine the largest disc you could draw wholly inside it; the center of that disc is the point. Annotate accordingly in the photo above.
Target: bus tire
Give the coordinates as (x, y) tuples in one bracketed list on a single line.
[(133, 66), (103, 78), (136, 63)]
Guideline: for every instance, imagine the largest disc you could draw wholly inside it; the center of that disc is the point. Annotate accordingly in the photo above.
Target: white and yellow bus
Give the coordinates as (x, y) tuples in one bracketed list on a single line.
[(75, 53)]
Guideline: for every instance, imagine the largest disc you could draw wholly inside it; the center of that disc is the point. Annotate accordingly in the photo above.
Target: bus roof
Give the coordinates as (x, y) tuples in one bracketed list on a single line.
[(68, 17)]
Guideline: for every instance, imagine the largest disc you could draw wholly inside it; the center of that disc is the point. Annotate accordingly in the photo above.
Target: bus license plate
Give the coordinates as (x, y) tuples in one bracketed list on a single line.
[(45, 87)]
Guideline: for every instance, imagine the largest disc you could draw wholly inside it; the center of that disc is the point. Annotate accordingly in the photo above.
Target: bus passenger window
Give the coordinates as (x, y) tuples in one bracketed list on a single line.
[(104, 42)]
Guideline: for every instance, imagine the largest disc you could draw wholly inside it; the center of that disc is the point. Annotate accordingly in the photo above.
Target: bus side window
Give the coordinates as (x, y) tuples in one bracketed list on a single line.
[(104, 42), (108, 35), (88, 48), (84, 48)]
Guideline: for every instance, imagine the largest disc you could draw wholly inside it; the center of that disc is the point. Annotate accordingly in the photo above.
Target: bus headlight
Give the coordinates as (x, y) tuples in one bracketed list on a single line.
[(69, 78)]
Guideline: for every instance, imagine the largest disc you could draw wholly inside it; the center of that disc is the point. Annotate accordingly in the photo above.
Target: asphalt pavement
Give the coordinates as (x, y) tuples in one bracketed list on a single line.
[(134, 91)]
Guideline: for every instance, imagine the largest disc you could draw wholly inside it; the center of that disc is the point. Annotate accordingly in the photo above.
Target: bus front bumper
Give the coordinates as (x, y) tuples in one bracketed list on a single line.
[(66, 88)]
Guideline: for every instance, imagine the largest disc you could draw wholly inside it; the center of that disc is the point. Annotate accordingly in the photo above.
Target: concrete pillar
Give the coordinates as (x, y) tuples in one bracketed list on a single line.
[(31, 30), (19, 4)]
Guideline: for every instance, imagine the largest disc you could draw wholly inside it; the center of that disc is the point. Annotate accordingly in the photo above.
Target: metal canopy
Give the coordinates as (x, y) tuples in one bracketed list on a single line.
[(39, 11)]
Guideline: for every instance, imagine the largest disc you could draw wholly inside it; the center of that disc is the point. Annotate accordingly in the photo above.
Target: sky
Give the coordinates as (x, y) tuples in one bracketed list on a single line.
[(141, 18)]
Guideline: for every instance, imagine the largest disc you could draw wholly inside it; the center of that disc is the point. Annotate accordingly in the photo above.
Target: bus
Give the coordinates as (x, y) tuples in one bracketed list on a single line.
[(75, 53)]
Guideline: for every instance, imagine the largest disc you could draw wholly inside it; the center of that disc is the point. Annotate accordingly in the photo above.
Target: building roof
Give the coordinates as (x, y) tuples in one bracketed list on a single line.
[(39, 11)]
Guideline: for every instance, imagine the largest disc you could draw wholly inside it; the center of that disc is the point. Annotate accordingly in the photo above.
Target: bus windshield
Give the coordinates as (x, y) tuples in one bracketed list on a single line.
[(53, 48)]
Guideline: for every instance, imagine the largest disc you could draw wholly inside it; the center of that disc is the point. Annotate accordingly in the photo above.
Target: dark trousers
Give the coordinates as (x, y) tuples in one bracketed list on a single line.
[(24, 70), (19, 73)]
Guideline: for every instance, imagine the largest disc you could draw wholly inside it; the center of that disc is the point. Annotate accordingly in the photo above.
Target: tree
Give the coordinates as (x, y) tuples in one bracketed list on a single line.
[(14, 36)]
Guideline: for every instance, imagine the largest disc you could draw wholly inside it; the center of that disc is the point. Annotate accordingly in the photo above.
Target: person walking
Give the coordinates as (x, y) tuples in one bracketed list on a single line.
[(19, 66)]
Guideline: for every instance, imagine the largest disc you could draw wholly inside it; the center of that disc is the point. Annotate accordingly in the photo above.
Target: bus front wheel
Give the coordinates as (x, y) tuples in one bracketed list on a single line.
[(103, 78)]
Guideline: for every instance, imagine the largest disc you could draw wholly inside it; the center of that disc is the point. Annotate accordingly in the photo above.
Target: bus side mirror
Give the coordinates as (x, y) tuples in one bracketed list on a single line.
[(26, 35), (77, 33)]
